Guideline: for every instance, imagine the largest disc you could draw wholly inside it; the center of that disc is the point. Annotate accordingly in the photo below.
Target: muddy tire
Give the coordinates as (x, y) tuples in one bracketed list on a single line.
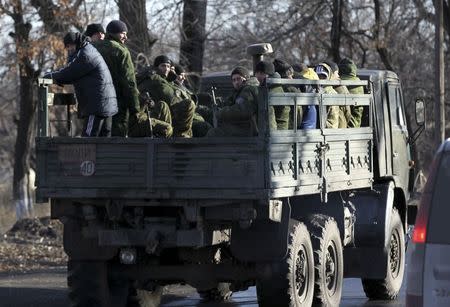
[(328, 260), (220, 294), (291, 282), (389, 288)]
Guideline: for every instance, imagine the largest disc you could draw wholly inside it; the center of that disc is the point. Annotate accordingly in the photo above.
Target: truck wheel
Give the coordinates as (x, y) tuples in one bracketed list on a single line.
[(328, 260), (389, 288), (144, 298), (87, 282), (219, 294), (291, 282)]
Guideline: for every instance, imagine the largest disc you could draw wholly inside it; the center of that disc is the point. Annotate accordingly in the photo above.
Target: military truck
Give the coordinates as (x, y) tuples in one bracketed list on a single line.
[(292, 211)]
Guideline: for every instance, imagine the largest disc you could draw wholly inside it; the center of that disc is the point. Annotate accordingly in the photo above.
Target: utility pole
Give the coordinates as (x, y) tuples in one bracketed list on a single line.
[(439, 73)]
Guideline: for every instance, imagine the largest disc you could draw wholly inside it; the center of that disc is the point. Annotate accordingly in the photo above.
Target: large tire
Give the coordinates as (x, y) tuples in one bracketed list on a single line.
[(87, 282), (219, 294), (328, 260), (389, 288), (291, 282)]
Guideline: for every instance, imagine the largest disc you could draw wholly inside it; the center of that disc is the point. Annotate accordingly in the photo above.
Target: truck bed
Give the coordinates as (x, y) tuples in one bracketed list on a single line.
[(203, 168)]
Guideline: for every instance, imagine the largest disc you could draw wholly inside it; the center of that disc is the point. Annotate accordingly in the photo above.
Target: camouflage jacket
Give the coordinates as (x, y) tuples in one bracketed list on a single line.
[(118, 58), (160, 89)]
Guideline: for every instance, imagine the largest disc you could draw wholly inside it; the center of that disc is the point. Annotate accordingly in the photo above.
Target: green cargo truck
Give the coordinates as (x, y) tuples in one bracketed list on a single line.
[(292, 212)]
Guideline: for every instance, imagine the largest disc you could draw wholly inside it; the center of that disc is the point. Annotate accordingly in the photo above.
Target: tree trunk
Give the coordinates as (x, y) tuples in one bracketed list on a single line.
[(381, 42), (193, 35), (336, 27), (21, 189), (140, 39)]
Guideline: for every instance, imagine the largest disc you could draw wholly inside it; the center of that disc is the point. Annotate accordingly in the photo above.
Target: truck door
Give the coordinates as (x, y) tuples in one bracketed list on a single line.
[(399, 135)]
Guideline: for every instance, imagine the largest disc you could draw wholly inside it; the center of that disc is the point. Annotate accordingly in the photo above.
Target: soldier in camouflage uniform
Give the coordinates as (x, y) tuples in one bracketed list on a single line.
[(347, 69), (285, 70), (181, 106), (345, 111), (335, 114), (118, 58), (263, 70), (200, 126), (239, 118)]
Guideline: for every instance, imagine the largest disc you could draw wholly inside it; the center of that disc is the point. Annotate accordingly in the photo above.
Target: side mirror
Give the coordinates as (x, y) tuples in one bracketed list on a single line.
[(420, 111), (420, 120)]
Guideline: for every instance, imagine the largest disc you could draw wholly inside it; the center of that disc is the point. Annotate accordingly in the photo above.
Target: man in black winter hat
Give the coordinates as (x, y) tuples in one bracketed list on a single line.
[(283, 68), (93, 84), (120, 64), (95, 31), (263, 70)]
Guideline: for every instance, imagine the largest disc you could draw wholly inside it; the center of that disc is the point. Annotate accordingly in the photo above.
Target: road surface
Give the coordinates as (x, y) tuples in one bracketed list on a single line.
[(48, 288)]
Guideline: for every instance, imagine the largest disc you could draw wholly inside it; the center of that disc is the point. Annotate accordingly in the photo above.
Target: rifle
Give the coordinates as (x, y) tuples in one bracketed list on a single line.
[(149, 102), (214, 108)]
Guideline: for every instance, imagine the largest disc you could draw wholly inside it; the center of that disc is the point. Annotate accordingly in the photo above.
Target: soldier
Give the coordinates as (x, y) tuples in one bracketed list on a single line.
[(348, 71), (118, 58), (239, 118), (335, 114), (181, 105), (287, 72), (200, 126), (263, 70), (95, 31), (93, 84), (345, 111), (160, 123)]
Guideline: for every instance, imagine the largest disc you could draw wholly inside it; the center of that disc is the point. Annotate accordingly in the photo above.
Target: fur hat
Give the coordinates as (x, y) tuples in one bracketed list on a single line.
[(160, 59), (240, 70), (265, 67), (116, 26), (282, 67), (94, 28)]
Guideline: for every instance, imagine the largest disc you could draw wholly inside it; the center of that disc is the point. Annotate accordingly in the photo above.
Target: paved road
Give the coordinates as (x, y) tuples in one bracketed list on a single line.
[(48, 289)]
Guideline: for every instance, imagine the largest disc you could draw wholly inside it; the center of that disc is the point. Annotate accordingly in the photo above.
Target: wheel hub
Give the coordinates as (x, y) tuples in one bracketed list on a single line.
[(330, 268), (301, 273), (394, 255)]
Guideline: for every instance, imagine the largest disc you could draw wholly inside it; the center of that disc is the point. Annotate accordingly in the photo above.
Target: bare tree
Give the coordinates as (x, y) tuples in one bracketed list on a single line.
[(134, 14), (29, 56), (193, 36), (336, 27)]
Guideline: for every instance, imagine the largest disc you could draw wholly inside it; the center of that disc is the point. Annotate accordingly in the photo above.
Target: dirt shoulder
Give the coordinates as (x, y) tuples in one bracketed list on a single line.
[(32, 244)]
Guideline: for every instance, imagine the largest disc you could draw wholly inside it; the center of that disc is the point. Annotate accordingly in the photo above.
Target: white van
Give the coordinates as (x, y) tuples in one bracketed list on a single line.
[(428, 270)]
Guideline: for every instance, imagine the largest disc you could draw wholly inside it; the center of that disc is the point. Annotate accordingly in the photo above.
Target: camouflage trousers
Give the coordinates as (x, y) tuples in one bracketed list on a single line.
[(160, 119), (182, 117), (120, 122), (337, 117)]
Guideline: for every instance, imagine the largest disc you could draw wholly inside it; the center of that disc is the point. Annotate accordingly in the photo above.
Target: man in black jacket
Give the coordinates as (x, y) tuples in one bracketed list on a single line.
[(93, 84)]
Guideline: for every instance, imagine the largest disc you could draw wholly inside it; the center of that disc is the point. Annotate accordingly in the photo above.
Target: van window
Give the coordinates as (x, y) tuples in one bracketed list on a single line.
[(439, 220)]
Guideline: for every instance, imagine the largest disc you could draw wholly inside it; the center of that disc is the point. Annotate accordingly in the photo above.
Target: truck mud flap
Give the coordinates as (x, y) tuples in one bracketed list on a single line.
[(264, 240)]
